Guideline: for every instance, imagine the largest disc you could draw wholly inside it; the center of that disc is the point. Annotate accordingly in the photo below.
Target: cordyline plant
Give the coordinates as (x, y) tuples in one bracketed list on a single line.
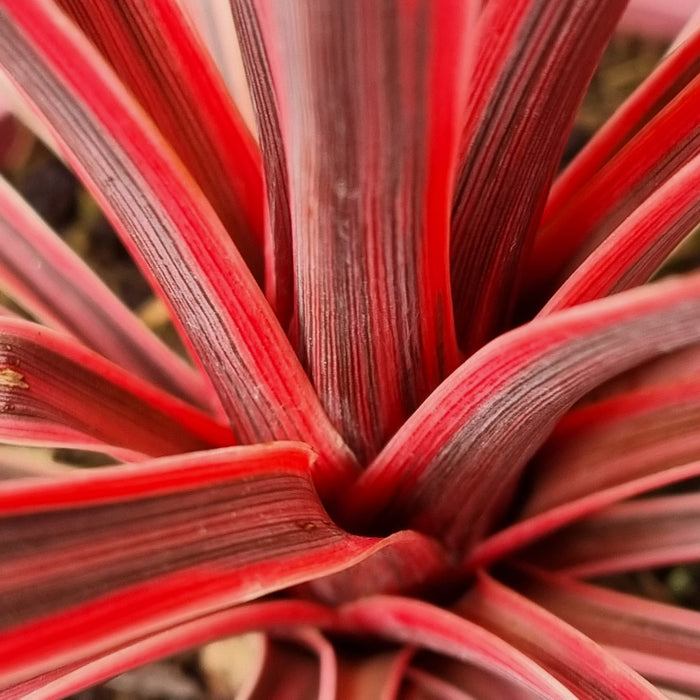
[(400, 450)]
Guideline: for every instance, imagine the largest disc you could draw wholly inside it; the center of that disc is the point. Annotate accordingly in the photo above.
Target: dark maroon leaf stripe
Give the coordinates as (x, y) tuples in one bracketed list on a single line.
[(452, 467), (170, 227), (534, 61), (370, 177), (279, 274), (44, 275), (153, 50)]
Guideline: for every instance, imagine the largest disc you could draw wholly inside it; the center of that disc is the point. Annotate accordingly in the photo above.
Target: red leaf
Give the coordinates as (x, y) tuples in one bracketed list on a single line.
[(535, 59), (54, 391), (665, 144), (277, 615), (223, 527), (638, 246), (214, 23), (581, 665), (426, 626), (169, 225), (370, 142), (672, 74), (279, 273), (451, 469), (614, 441), (153, 50), (662, 642), (642, 534), (56, 286), (602, 454), (408, 562)]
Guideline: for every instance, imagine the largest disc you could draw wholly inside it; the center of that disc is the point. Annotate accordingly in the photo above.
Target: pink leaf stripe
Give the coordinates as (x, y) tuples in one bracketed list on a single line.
[(222, 527), (370, 182), (535, 60), (662, 642), (279, 273), (319, 646), (602, 454), (636, 248), (586, 669), (611, 442), (453, 465), (672, 74), (57, 287), (48, 382), (663, 146), (172, 229), (169, 639), (414, 622), (409, 563), (153, 50), (649, 533)]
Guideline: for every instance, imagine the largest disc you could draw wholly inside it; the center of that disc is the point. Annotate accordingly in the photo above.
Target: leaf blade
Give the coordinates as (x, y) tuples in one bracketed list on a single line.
[(169, 226), (581, 665), (423, 625), (463, 450), (642, 534), (370, 150), (51, 281), (212, 530), (659, 641), (534, 62), (153, 50)]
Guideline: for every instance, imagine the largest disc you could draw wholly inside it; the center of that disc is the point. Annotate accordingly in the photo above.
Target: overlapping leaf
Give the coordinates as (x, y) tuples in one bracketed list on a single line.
[(54, 391), (140, 550), (370, 144), (649, 533), (636, 248), (586, 669), (535, 59), (152, 48), (170, 227), (662, 642), (656, 152), (452, 467), (672, 74), (416, 623), (602, 454), (57, 287)]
